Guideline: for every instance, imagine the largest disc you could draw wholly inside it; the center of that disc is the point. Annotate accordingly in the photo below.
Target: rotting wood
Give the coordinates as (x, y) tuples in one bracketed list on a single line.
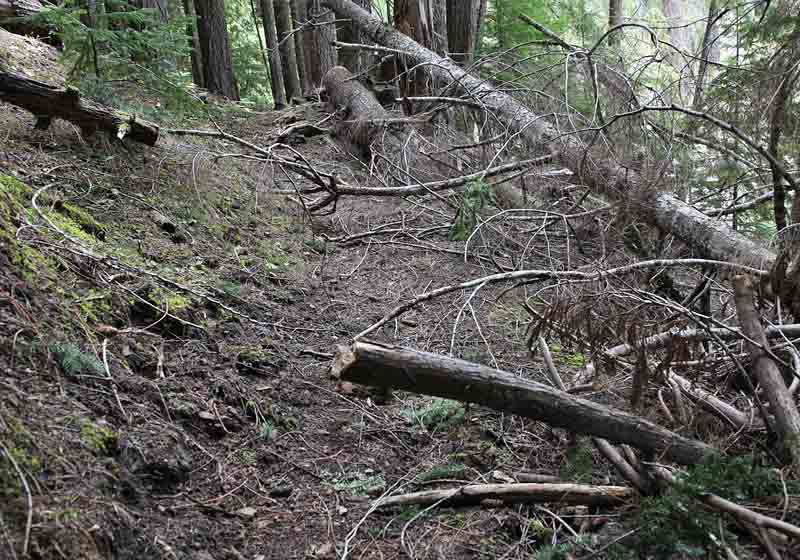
[(601, 173), (564, 493), (379, 365), (47, 102), (782, 406)]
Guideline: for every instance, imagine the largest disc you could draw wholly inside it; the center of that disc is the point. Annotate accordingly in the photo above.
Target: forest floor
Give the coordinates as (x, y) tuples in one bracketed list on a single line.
[(167, 321)]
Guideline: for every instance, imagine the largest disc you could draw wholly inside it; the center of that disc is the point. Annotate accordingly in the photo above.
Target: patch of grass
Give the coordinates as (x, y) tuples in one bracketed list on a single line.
[(74, 361), (435, 413)]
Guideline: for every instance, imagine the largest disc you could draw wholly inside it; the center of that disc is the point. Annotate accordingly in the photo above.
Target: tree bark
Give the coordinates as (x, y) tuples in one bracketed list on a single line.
[(782, 406), (353, 60), (600, 172), (359, 110), (614, 19), (681, 38), (283, 22), (212, 31), (323, 54), (194, 41), (380, 365), (462, 29), (521, 493), (705, 54), (275, 65), (300, 17), (22, 9), (47, 102)]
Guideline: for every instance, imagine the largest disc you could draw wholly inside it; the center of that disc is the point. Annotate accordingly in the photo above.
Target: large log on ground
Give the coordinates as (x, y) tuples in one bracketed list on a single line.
[(370, 363), (361, 113), (47, 102), (14, 14), (599, 171)]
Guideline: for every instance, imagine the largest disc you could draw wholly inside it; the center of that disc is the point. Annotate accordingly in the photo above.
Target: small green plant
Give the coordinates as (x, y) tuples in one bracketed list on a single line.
[(477, 197), (316, 245), (73, 361), (576, 360), (579, 465), (674, 522), (562, 551), (435, 413), (449, 471), (102, 439), (230, 288), (359, 484)]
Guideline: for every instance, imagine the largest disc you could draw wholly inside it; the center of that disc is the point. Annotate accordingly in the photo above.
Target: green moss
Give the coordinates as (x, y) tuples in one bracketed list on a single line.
[(95, 306), (172, 300), (102, 439), (31, 265), (18, 442), (83, 220)]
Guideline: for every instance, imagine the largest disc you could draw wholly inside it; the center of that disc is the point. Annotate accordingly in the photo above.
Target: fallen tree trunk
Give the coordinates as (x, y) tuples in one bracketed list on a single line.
[(360, 110), (603, 174), (529, 493), (47, 102), (782, 406), (370, 363), (14, 12)]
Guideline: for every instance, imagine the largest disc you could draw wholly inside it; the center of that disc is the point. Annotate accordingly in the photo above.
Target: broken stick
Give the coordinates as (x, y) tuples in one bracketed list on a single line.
[(565, 493)]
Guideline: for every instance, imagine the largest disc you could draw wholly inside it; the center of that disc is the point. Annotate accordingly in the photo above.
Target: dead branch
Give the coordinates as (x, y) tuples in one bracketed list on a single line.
[(714, 405), (47, 102), (530, 493), (370, 363)]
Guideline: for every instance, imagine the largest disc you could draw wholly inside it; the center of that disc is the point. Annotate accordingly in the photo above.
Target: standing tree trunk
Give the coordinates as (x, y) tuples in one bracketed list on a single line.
[(275, 66), (212, 31), (680, 36), (614, 19), (300, 17), (462, 28), (705, 53), (353, 60), (321, 57), (196, 54), (283, 22)]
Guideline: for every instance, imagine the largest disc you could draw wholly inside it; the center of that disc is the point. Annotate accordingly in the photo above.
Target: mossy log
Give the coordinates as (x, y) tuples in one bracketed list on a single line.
[(47, 102)]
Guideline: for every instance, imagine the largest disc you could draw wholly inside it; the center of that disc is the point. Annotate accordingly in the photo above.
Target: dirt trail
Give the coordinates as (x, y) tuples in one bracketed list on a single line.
[(150, 422)]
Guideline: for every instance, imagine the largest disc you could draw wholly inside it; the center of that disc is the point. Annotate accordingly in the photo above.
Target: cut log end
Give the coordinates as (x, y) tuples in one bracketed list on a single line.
[(345, 358)]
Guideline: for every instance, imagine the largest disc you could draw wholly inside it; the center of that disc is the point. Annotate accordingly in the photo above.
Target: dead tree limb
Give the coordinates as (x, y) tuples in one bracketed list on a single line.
[(565, 493), (370, 363), (782, 406), (601, 173), (47, 102)]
